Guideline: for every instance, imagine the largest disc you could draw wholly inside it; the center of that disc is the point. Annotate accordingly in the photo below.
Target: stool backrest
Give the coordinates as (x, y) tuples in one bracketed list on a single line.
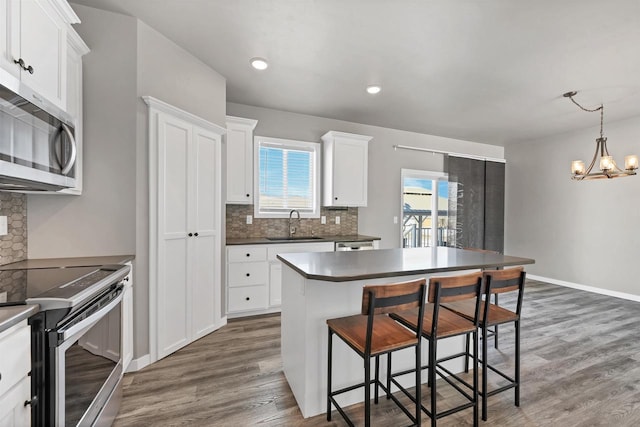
[(508, 280), (393, 297), (383, 299), (454, 288)]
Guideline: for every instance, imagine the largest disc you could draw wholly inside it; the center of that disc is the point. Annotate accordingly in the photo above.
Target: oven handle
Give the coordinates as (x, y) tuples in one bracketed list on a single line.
[(65, 333)]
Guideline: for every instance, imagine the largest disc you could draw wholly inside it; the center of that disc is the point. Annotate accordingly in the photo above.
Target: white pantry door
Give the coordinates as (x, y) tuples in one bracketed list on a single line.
[(175, 138), (185, 214)]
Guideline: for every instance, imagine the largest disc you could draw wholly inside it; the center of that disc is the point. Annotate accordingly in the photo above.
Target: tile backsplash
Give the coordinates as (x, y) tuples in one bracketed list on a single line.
[(237, 227), (13, 246)]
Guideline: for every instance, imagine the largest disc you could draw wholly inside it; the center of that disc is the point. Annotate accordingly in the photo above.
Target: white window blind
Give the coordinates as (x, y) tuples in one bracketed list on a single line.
[(287, 174)]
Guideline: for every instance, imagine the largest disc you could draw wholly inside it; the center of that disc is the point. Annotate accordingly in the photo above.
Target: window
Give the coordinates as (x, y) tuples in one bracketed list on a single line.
[(425, 201), (286, 177)]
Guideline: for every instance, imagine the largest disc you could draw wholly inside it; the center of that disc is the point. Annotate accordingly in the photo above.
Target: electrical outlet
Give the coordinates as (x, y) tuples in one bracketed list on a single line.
[(323, 219), (3, 296), (249, 219), (3, 225), (337, 220), (395, 219)]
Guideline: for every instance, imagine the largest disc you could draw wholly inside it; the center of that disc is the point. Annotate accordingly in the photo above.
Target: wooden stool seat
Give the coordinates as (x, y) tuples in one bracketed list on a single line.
[(449, 323), (496, 316), (387, 336)]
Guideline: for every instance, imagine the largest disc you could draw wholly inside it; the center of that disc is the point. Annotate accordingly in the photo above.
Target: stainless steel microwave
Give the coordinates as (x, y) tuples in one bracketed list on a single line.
[(37, 141)]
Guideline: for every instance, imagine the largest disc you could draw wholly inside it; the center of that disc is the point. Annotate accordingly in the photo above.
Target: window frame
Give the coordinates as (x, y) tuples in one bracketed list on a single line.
[(313, 147)]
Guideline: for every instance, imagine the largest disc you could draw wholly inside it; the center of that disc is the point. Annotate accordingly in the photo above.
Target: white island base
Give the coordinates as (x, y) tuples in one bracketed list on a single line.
[(306, 305)]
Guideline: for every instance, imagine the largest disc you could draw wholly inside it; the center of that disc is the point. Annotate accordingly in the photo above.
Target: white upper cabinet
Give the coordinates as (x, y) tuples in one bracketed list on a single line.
[(33, 45), (240, 160), (345, 169), (76, 49)]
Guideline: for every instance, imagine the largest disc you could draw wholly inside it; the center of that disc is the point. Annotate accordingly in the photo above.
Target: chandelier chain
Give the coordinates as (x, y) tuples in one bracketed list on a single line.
[(600, 108)]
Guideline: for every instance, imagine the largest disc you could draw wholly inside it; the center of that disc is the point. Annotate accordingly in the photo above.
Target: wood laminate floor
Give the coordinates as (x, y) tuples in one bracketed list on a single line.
[(580, 367)]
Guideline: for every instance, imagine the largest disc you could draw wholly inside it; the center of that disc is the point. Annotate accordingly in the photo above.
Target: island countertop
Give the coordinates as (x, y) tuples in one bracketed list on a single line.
[(349, 266)]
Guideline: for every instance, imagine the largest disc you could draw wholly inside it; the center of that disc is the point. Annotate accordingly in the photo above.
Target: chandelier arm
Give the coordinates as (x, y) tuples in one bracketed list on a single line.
[(593, 162), (606, 151)]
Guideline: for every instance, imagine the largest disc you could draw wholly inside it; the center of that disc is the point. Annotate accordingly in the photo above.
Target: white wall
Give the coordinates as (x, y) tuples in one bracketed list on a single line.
[(384, 162), (586, 233), (101, 221)]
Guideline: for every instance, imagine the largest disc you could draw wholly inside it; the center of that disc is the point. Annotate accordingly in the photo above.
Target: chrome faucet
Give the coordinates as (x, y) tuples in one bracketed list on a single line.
[(292, 229)]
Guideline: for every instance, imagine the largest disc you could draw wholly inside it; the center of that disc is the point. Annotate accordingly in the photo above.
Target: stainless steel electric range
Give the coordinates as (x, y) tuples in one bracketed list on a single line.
[(76, 341)]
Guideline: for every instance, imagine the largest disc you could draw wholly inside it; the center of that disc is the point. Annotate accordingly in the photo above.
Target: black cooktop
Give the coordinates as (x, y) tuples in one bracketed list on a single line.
[(22, 284)]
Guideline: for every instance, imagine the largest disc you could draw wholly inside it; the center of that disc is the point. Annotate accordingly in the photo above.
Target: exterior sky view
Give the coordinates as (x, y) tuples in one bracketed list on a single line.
[(285, 172)]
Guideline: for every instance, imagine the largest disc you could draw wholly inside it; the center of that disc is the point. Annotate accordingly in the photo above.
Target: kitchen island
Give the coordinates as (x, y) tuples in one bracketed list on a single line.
[(325, 285)]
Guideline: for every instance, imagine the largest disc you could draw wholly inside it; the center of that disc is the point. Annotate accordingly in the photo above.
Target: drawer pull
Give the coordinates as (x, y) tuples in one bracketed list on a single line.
[(248, 274), (248, 255), (247, 298), (248, 195)]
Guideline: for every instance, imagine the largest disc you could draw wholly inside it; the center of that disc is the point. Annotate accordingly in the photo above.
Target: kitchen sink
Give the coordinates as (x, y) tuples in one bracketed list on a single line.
[(294, 238)]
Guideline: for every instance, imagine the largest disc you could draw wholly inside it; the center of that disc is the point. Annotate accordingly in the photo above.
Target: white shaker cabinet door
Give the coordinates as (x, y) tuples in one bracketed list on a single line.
[(174, 296), (205, 219)]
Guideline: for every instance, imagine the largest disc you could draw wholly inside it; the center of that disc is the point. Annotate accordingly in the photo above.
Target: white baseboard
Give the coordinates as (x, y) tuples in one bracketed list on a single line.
[(139, 363), (593, 289)]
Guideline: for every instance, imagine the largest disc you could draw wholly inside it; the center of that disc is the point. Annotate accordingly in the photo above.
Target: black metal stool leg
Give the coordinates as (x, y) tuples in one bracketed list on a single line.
[(367, 391), (377, 380), (388, 376), (495, 328), (475, 378), (418, 387), (517, 391), (484, 373), (329, 377), (466, 356), (432, 379)]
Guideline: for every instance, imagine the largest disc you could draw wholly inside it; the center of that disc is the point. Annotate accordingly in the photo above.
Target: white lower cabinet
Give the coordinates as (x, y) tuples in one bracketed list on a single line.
[(15, 383), (254, 276)]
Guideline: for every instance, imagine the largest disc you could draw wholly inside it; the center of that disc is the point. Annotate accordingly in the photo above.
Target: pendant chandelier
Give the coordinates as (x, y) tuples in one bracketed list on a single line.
[(608, 167)]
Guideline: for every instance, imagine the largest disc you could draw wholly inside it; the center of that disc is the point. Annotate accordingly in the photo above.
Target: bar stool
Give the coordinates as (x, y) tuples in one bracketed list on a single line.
[(490, 332), (374, 333), (497, 282), (438, 324)]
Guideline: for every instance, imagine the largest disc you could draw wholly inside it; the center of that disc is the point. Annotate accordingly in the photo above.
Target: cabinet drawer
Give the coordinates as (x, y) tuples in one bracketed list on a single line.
[(248, 273), (247, 298), (13, 411), (246, 254), (15, 356)]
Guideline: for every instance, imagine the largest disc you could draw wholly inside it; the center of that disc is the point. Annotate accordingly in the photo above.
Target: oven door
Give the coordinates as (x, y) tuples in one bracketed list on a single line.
[(89, 365)]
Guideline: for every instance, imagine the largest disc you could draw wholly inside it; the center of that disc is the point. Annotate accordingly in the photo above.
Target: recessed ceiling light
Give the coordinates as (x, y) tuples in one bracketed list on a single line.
[(373, 89), (259, 63)]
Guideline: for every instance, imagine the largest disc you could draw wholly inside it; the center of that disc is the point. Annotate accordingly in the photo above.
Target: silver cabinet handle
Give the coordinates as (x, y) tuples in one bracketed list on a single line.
[(74, 152)]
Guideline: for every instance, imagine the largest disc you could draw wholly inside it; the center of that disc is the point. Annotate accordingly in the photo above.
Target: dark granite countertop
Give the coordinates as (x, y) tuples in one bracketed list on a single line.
[(359, 265), (266, 241), (14, 314), (67, 262)]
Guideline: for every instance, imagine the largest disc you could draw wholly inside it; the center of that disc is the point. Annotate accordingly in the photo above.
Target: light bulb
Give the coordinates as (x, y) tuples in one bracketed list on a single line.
[(606, 163)]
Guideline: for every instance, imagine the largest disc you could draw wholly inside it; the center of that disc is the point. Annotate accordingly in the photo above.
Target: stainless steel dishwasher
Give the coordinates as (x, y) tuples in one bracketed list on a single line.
[(366, 245)]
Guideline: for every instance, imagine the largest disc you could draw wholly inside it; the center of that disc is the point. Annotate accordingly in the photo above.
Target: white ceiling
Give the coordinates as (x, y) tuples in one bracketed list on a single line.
[(490, 71)]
